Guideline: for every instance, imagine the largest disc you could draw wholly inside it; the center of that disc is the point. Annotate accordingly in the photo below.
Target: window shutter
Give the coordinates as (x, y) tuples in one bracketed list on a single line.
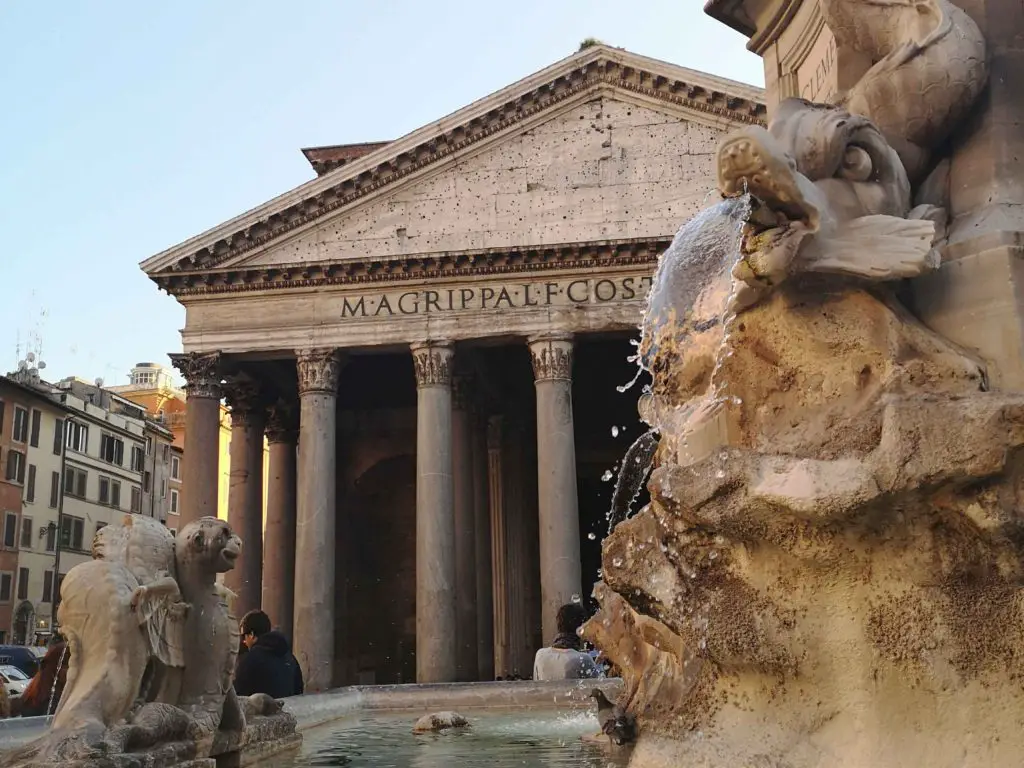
[(58, 436), (37, 418)]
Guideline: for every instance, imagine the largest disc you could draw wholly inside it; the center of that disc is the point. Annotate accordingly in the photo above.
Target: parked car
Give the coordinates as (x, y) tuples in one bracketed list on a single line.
[(24, 657), (13, 680)]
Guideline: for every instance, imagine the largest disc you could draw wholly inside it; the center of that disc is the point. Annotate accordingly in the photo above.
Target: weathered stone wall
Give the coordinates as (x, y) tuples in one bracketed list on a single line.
[(605, 169)]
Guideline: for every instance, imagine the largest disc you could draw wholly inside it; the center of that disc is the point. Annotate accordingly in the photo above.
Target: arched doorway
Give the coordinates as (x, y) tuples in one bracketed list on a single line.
[(24, 623), (383, 630)]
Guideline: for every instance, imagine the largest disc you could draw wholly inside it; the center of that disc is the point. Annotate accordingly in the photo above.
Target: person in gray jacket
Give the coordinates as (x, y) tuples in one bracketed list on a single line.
[(565, 658)]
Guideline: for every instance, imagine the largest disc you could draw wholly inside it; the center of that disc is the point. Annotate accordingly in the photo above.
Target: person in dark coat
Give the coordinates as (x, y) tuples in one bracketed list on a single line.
[(269, 666)]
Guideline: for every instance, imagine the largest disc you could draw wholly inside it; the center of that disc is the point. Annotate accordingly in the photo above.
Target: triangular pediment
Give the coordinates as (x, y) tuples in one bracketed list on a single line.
[(521, 110)]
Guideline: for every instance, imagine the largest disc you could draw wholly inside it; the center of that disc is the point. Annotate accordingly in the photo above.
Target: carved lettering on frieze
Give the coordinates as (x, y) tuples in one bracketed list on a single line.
[(432, 362), (552, 357), (508, 296), (319, 370), (202, 373)]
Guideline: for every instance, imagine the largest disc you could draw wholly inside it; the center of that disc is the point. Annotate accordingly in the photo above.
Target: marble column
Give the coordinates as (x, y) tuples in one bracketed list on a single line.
[(279, 538), (245, 490), (520, 574), (202, 434), (499, 562), (558, 511), (484, 597), (435, 518), (466, 666), (318, 372)]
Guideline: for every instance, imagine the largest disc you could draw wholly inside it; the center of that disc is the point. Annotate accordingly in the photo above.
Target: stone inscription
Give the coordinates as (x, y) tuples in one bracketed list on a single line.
[(502, 296), (816, 77)]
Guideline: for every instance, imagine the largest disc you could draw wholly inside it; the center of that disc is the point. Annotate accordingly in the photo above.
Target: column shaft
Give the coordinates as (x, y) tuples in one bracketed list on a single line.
[(245, 492), (561, 578), (315, 519), (465, 532), (202, 434), (279, 545), (517, 587), (435, 519), (484, 596), (499, 561)]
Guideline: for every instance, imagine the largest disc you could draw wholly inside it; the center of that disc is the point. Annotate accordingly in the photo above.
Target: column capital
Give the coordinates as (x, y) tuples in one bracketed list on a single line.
[(245, 398), (494, 429), (551, 355), (202, 373), (319, 370), (282, 423), (432, 361)]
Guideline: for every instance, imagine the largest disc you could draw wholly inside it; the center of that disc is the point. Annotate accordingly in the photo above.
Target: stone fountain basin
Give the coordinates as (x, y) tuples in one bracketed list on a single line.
[(318, 709)]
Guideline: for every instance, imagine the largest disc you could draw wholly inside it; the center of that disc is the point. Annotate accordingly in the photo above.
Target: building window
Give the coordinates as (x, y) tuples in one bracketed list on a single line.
[(20, 434), (37, 422), (15, 467), (175, 468), (23, 583), (78, 436), (47, 586), (51, 538), (165, 450), (136, 499), (10, 526), (6, 586), (72, 531), (1, 418), (174, 531), (110, 492), (147, 481), (112, 449), (26, 532), (58, 431), (174, 502), (138, 459), (30, 486), (149, 446), (163, 489), (75, 482), (100, 526), (54, 489)]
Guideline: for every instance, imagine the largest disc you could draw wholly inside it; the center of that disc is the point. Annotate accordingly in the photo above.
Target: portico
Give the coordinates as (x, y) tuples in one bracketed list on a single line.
[(431, 335)]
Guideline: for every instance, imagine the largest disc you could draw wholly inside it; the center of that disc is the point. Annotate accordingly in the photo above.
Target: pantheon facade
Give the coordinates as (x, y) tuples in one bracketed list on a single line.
[(433, 335)]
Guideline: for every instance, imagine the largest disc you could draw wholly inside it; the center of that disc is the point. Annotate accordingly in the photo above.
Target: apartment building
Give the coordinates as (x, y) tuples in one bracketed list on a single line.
[(31, 454)]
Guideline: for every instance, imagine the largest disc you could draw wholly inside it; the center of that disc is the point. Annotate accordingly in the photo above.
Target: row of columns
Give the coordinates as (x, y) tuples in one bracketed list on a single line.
[(469, 552)]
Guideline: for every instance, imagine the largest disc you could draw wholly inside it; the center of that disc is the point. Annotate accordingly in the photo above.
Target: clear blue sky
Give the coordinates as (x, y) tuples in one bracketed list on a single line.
[(130, 126)]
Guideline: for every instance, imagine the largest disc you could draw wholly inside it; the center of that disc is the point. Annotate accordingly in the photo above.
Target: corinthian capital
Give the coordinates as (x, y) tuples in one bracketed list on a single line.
[(245, 399), (551, 355), (201, 371), (433, 363), (319, 370), (282, 423)]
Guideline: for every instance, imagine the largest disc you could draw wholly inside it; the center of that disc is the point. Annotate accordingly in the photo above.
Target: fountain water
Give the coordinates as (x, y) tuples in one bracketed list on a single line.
[(828, 572)]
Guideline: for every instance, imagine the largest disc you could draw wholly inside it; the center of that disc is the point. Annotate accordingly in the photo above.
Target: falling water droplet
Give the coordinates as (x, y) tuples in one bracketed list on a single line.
[(606, 476), (615, 431), (617, 562), (591, 536), (712, 555)]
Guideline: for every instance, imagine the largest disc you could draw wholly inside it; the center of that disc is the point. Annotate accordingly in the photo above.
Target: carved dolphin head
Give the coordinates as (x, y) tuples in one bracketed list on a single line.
[(210, 543)]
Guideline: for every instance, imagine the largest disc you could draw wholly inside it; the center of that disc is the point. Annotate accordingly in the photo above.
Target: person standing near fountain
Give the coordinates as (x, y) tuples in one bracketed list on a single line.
[(269, 666), (565, 658)]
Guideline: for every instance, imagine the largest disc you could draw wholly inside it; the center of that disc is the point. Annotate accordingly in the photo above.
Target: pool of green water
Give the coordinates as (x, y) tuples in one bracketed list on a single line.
[(496, 739)]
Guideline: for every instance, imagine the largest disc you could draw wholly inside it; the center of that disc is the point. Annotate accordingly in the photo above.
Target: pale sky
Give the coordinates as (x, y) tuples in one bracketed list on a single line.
[(128, 126)]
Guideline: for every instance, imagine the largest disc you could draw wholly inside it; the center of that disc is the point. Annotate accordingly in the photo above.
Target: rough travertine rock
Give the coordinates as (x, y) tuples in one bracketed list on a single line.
[(440, 721), (829, 571)]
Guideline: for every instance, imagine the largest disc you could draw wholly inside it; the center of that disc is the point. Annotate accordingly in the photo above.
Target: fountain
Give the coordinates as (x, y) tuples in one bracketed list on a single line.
[(829, 570), (152, 655)]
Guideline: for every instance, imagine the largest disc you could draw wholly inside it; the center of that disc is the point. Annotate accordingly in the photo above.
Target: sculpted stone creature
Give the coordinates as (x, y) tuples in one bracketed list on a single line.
[(929, 66), (119, 611), (440, 721), (204, 549)]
